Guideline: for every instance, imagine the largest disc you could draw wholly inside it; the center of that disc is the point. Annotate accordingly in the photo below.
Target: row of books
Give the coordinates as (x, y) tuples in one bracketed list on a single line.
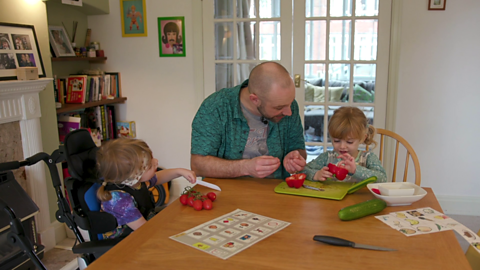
[(87, 88), (99, 120)]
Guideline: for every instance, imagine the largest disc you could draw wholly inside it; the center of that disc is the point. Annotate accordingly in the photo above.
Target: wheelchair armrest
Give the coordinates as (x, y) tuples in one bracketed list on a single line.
[(96, 247)]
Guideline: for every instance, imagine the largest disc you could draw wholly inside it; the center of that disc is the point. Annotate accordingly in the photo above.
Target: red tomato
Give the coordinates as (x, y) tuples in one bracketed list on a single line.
[(198, 205), (212, 196), (184, 199), (190, 200), (207, 204)]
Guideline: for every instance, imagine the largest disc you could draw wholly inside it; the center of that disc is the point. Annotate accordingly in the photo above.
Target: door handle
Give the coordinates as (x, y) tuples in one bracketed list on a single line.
[(297, 80)]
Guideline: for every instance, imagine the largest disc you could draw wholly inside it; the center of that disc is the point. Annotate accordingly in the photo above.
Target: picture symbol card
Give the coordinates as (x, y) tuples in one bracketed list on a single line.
[(229, 234)]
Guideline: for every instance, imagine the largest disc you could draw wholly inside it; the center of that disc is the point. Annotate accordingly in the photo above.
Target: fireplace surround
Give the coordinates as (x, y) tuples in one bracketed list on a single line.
[(20, 102)]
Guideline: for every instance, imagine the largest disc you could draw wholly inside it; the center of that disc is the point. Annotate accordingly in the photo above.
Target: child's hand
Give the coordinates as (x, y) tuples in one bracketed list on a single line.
[(348, 162), (322, 174), (189, 175)]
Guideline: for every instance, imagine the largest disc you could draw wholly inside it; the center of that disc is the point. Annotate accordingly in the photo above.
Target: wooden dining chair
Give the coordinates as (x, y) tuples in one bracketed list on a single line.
[(473, 256), (399, 140)]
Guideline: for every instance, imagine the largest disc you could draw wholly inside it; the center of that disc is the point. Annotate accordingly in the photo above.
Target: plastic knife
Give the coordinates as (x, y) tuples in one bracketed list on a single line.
[(345, 243), (209, 185)]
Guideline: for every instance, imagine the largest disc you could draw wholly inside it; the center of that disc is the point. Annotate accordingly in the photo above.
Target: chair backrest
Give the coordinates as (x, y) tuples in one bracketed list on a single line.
[(80, 153), (399, 140)]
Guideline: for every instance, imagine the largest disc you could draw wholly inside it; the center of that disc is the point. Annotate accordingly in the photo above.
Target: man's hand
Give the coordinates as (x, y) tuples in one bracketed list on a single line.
[(294, 162), (262, 166)]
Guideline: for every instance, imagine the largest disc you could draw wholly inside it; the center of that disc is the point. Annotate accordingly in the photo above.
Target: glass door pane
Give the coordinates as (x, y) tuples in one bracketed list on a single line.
[(247, 32), (348, 76)]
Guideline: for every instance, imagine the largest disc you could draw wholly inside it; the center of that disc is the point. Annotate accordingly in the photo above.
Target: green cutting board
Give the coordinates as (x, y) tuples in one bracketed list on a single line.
[(329, 189)]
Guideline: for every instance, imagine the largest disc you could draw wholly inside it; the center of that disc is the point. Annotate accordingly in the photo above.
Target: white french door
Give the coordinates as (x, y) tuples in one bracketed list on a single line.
[(337, 52)]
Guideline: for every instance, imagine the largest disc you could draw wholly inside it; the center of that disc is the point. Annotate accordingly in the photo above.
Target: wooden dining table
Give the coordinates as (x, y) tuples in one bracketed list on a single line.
[(150, 247)]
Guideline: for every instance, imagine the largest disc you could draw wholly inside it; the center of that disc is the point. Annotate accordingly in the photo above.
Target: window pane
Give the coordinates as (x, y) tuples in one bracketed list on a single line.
[(369, 113), (223, 41), (246, 9), (340, 8), (315, 40), (223, 9), (366, 39), (270, 40), (314, 123), (243, 71), (246, 40), (315, 76), (366, 8), (364, 83), (315, 8), (338, 82), (339, 45), (269, 8), (223, 76)]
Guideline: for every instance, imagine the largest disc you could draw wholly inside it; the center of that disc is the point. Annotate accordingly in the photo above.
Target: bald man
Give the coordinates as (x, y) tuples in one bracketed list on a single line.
[(253, 129)]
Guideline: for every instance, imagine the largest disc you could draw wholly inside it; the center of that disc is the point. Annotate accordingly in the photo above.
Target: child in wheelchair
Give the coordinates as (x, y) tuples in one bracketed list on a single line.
[(126, 165)]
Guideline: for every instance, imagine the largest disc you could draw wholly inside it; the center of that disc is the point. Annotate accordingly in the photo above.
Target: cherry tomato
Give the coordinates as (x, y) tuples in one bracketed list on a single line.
[(190, 200), (212, 196), (198, 205), (184, 199), (207, 204)]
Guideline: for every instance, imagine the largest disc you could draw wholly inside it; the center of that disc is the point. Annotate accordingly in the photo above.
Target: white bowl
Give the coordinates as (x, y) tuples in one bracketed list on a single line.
[(398, 189), (418, 193)]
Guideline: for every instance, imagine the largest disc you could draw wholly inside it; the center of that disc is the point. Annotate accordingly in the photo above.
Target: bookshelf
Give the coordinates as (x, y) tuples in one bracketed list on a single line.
[(76, 59), (73, 107)]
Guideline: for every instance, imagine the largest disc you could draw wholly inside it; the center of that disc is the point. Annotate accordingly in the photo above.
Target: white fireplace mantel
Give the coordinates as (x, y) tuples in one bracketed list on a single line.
[(19, 101)]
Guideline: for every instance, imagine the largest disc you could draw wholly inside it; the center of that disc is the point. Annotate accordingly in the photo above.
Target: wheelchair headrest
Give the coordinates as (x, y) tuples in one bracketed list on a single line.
[(81, 151)]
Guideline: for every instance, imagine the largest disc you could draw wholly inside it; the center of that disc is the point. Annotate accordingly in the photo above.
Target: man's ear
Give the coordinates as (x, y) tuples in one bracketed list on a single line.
[(254, 99)]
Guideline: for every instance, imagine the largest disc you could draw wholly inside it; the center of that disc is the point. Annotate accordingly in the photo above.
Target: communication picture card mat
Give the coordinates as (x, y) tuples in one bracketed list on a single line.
[(329, 189), (428, 220), (231, 233)]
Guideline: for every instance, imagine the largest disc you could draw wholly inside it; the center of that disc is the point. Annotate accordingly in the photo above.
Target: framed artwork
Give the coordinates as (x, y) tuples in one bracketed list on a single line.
[(436, 4), (134, 18), (59, 41), (18, 48), (171, 36)]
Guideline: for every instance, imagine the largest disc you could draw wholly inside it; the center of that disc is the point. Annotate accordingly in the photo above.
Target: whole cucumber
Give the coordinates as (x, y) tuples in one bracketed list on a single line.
[(362, 209)]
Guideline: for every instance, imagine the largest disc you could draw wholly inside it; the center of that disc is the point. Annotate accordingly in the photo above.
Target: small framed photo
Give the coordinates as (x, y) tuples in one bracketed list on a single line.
[(59, 41), (436, 4), (171, 36), (134, 18), (18, 48)]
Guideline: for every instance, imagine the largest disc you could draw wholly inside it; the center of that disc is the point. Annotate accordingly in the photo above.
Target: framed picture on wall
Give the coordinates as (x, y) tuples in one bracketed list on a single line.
[(171, 36), (134, 18), (18, 48), (436, 4), (59, 41)]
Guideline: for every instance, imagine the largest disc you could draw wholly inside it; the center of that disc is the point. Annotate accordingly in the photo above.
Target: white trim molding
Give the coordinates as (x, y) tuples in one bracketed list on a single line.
[(19, 101), (460, 205)]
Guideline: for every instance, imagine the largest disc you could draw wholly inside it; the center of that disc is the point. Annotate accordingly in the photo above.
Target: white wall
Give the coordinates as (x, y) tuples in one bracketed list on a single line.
[(438, 98), (161, 91)]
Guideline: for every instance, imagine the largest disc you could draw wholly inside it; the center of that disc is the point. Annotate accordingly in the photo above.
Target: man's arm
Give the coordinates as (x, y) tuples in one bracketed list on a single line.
[(210, 166)]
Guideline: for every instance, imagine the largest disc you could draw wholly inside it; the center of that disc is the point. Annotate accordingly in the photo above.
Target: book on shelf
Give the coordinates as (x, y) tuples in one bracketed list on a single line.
[(76, 89), (126, 129), (66, 124)]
